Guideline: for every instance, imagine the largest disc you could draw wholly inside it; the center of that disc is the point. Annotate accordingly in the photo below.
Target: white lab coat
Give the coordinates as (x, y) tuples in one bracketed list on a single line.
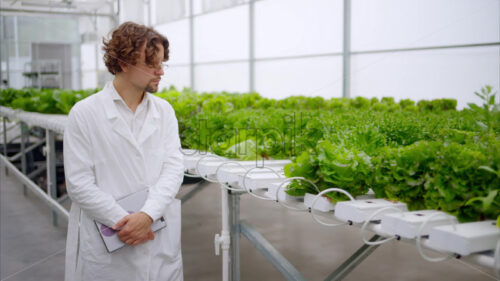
[(103, 161)]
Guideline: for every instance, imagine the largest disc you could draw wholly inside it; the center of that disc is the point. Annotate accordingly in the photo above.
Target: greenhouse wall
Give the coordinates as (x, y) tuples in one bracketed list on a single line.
[(405, 49), (412, 49)]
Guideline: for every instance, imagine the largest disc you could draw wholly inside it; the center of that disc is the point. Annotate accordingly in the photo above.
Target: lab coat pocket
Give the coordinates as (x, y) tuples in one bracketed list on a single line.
[(91, 245), (171, 235)]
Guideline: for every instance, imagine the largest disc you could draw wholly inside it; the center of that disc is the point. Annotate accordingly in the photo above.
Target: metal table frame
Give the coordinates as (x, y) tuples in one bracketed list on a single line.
[(51, 198), (243, 228)]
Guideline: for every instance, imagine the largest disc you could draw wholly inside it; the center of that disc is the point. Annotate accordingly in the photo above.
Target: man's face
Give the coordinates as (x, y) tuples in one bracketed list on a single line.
[(146, 77)]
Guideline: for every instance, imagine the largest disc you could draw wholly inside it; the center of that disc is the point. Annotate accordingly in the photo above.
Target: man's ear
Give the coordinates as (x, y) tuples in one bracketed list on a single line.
[(124, 66)]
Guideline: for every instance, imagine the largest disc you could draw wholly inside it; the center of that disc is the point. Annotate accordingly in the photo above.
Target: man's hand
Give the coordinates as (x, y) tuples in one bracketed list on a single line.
[(135, 229)]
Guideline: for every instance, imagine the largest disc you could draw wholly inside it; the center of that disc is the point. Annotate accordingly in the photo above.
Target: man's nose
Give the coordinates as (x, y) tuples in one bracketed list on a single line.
[(160, 71)]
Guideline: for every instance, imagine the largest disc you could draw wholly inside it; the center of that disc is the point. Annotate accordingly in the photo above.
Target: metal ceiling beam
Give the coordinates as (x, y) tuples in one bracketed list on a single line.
[(346, 56), (76, 13)]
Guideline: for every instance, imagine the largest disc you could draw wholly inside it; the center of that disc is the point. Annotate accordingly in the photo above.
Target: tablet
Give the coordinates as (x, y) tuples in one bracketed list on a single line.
[(132, 203)]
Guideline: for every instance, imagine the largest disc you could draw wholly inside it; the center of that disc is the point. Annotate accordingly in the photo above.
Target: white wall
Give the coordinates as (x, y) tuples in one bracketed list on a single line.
[(313, 30), (392, 24), (447, 73), (297, 27)]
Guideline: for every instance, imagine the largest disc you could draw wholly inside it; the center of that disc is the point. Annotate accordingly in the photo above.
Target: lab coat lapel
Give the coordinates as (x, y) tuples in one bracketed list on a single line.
[(151, 123), (118, 124), (120, 127)]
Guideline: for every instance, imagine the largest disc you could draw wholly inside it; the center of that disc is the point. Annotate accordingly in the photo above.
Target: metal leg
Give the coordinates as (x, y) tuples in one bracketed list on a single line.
[(223, 240), (51, 169), (353, 261), (24, 133), (234, 212), (192, 192), (35, 189), (270, 253), (5, 141), (30, 148)]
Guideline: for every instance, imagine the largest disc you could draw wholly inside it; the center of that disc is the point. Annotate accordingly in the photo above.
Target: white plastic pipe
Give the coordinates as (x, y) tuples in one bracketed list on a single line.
[(225, 238)]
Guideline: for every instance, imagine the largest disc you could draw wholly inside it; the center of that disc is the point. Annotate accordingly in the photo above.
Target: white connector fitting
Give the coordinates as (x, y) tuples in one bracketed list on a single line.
[(221, 242)]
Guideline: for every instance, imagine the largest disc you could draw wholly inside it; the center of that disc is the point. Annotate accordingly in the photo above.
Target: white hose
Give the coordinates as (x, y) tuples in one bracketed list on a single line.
[(250, 191), (419, 240), (198, 163), (286, 181), (225, 185), (319, 196), (368, 220)]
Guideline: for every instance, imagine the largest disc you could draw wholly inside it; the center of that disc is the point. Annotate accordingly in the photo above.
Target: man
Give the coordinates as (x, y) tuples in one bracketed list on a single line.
[(116, 142)]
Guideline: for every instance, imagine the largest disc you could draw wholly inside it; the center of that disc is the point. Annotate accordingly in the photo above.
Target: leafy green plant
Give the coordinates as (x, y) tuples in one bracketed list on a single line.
[(489, 112), (428, 154)]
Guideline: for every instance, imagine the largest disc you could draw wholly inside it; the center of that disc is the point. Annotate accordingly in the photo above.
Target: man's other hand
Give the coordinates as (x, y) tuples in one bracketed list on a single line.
[(135, 229)]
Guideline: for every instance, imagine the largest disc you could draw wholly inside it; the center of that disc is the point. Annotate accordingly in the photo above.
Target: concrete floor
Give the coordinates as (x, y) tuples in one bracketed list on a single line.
[(32, 249)]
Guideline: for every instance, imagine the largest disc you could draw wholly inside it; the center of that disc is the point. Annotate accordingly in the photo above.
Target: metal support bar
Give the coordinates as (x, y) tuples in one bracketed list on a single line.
[(24, 135), (63, 198), (14, 138), (37, 171), (7, 49), (353, 261), (51, 169), (269, 252), (428, 48), (346, 58), (35, 189), (10, 127), (251, 33), (52, 12), (191, 46), (4, 121), (234, 216), (192, 192), (28, 149), (1, 47)]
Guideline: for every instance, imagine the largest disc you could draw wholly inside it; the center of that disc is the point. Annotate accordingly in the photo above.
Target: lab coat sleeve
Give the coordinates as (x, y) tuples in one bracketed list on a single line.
[(80, 176), (172, 173)]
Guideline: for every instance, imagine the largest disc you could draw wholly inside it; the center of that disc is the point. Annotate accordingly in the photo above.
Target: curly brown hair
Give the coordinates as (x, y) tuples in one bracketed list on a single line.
[(126, 43)]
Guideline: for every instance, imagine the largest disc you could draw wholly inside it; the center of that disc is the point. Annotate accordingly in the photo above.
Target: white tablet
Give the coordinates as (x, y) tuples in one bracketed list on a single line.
[(131, 203)]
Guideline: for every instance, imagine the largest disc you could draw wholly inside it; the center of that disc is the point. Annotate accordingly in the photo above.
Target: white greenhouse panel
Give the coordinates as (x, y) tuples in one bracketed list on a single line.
[(231, 77), (222, 35), (16, 79), (89, 79), (206, 6), (320, 76), (298, 27), (177, 76), (177, 34), (389, 24), (417, 75), (87, 57), (132, 10), (100, 58), (75, 70), (165, 11), (197, 6)]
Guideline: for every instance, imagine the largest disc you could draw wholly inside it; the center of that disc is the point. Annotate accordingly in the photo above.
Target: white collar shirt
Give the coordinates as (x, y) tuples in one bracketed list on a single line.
[(135, 121)]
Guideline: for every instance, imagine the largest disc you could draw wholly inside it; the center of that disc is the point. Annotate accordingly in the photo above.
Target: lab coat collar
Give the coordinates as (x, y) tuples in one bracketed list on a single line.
[(112, 93), (151, 123)]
